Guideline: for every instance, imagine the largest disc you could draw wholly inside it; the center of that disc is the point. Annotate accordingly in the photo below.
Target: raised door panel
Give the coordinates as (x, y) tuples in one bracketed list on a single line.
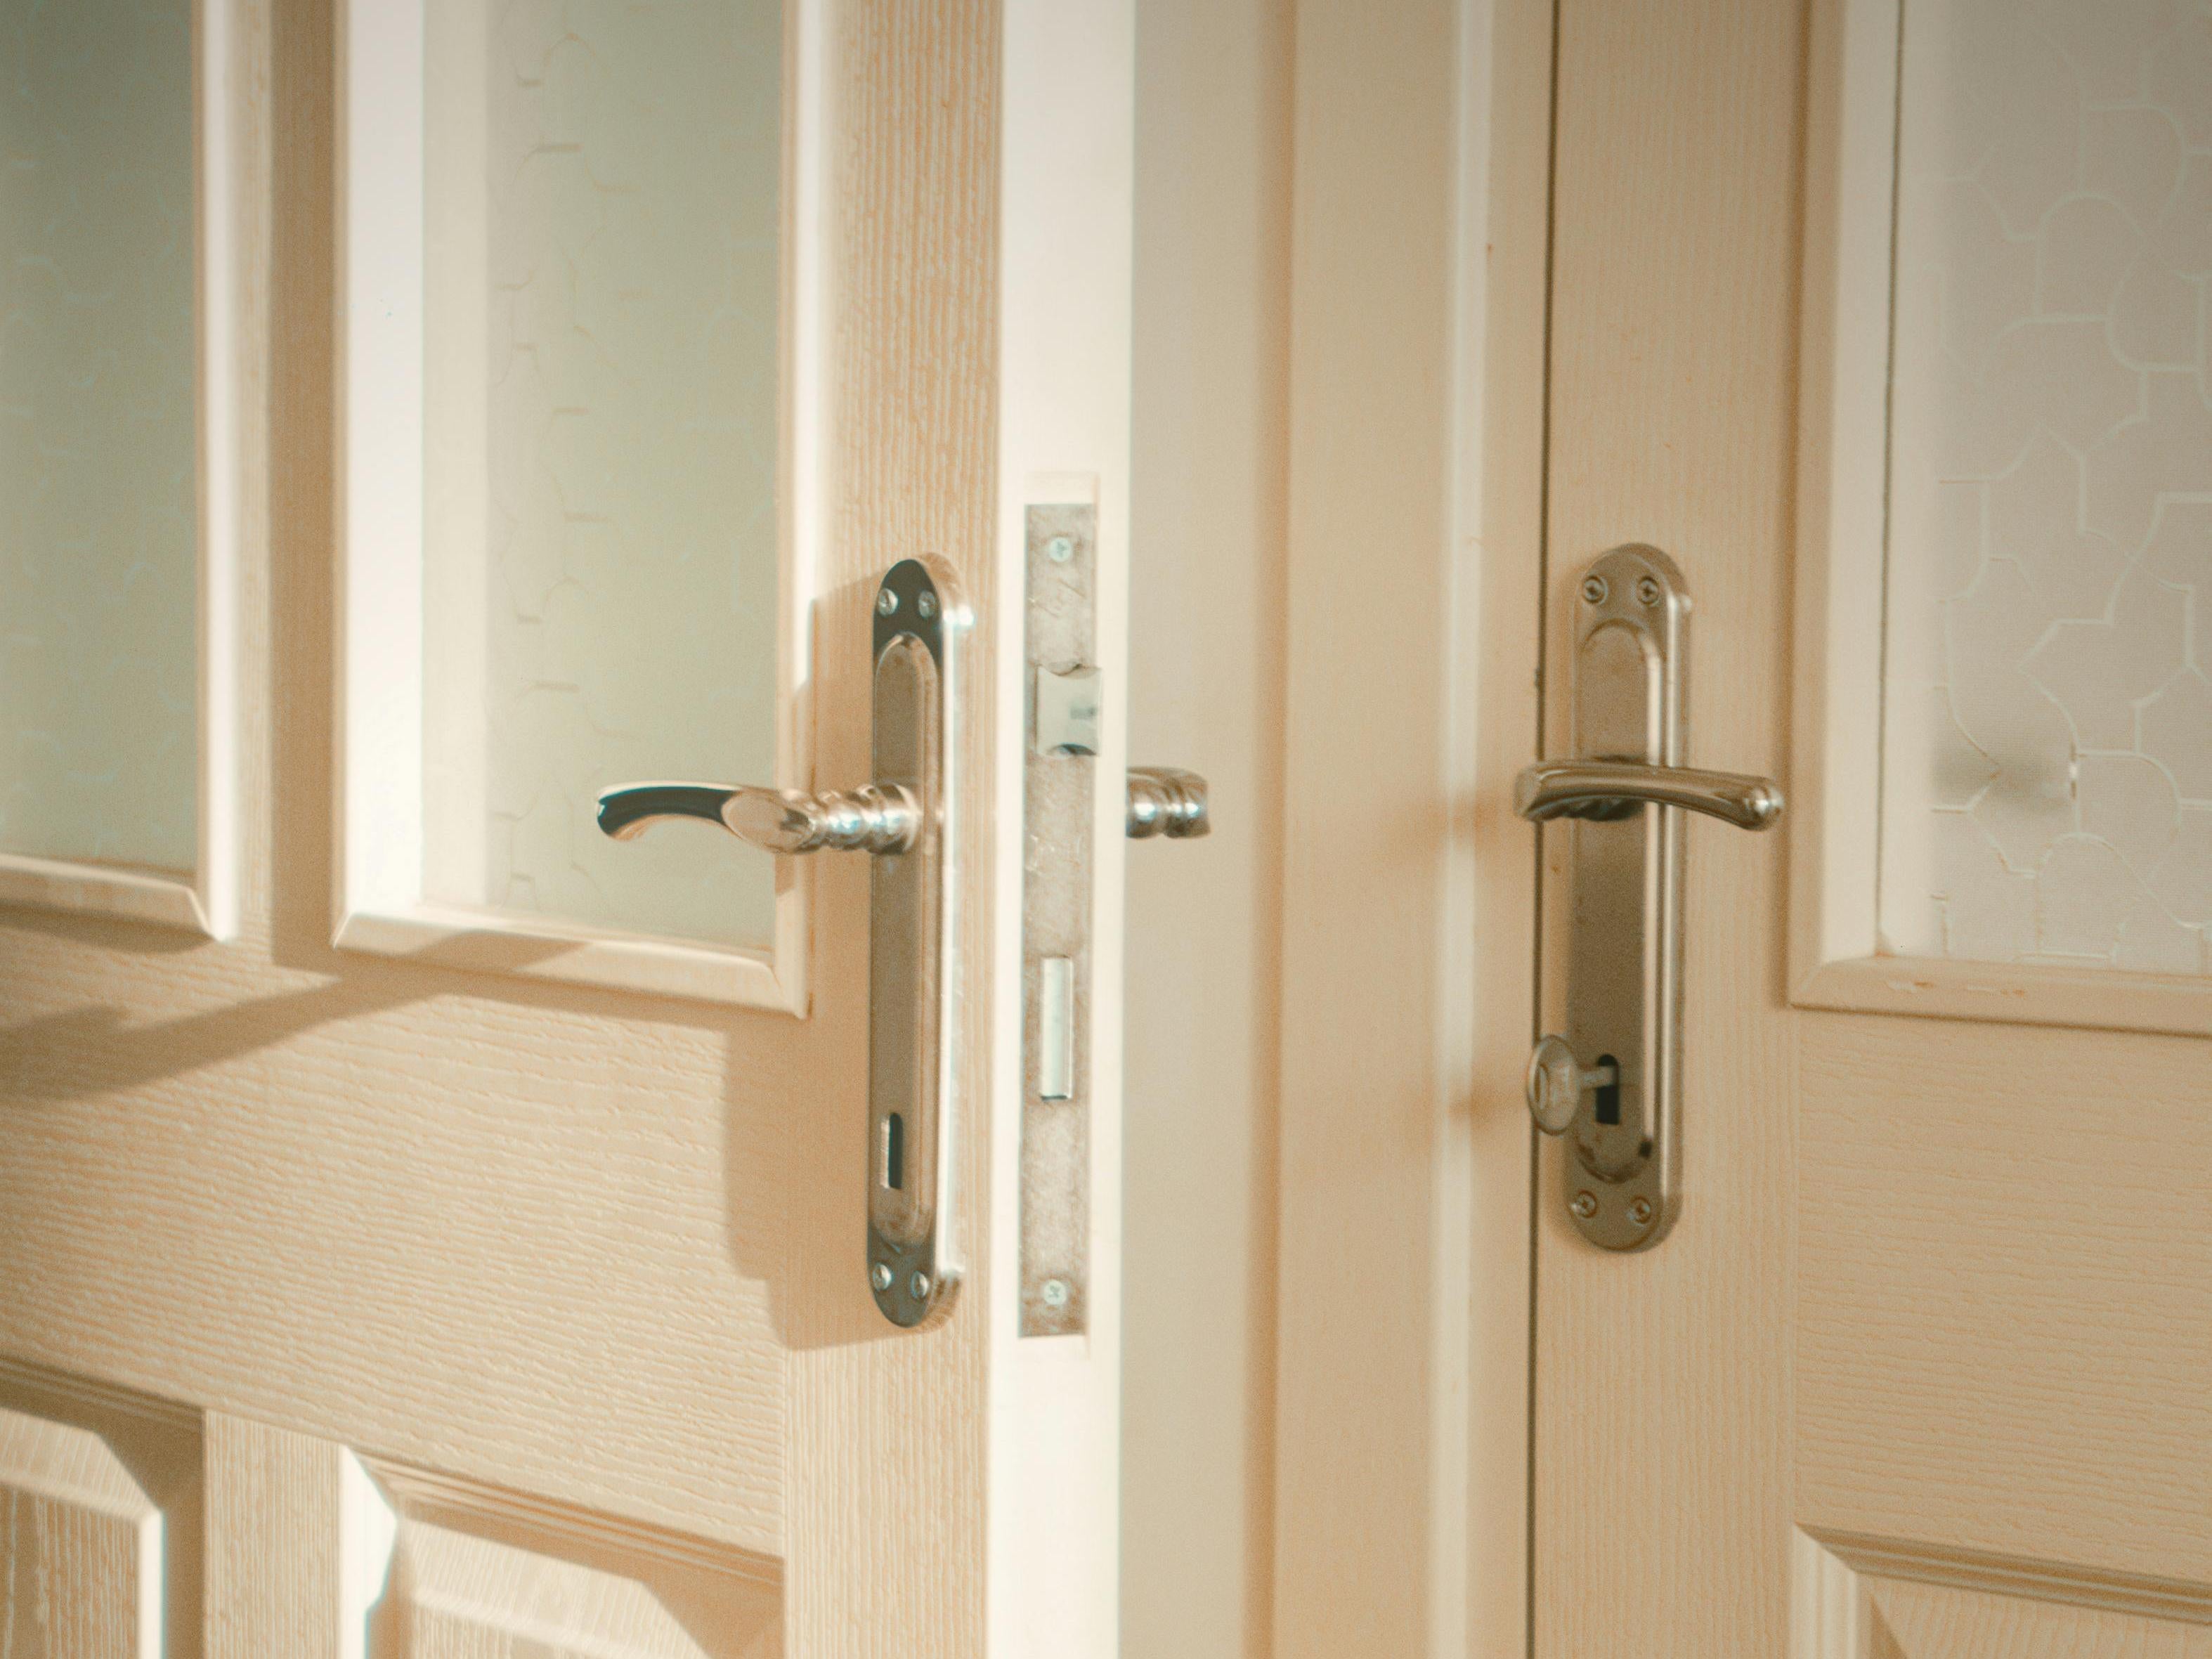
[(2004, 1301), (82, 1542), (469, 1572), (1934, 1621), (99, 1523), (1857, 1598)]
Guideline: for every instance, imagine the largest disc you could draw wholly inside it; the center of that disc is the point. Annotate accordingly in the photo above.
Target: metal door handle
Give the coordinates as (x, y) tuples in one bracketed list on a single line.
[(1613, 789), (907, 818), (1166, 800), (873, 818), (1610, 1082)]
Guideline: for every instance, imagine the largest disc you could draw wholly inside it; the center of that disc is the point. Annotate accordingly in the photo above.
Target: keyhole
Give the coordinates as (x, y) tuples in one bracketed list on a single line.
[(1607, 1104), (895, 1151)]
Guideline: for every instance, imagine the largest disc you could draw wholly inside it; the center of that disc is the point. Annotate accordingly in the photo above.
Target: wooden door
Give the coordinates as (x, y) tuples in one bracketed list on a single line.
[(388, 1268), (1862, 319)]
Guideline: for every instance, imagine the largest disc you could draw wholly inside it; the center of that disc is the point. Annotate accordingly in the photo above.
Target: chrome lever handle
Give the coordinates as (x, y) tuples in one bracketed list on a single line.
[(917, 983), (1612, 789), (873, 818)]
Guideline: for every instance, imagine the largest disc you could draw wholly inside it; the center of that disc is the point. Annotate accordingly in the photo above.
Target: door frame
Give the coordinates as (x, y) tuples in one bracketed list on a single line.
[(1419, 279)]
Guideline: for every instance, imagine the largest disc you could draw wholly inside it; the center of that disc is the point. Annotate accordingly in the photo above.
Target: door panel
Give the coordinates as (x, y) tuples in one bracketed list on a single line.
[(100, 1520), (508, 1314), (1921, 1370)]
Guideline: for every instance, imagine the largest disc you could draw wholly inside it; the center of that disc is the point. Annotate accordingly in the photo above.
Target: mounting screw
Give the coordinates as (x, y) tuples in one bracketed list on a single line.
[(1055, 1293), (1647, 589), (925, 604), (880, 1276), (1060, 549), (1593, 590), (1640, 1210), (886, 602), (918, 1286), (1585, 1205)]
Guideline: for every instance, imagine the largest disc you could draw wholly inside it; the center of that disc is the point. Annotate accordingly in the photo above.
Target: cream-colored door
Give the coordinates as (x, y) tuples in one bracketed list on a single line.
[(1889, 330), (426, 1227)]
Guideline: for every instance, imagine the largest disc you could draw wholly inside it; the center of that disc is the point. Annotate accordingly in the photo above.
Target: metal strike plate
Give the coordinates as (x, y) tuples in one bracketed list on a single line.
[(1623, 1167), (1060, 787), (914, 971)]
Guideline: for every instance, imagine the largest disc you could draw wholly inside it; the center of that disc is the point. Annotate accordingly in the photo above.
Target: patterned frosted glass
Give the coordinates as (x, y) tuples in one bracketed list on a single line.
[(605, 179), (99, 532), (2047, 785)]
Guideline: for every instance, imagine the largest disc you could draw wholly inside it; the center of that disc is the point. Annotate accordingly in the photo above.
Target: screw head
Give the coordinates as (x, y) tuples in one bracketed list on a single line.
[(1593, 590), (880, 1276), (1055, 1293), (1647, 589), (925, 604), (1060, 549), (1585, 1205), (919, 1287), (886, 602), (1640, 1210)]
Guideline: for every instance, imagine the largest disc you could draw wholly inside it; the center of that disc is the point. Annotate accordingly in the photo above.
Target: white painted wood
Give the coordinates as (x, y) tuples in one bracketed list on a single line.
[(1843, 459), (1838, 958), (381, 903), (1413, 579), (1202, 1043), (205, 900), (1067, 220)]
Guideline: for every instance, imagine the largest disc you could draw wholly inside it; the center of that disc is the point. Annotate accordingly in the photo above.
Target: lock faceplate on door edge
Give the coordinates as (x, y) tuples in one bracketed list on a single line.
[(1612, 1082), (906, 817)]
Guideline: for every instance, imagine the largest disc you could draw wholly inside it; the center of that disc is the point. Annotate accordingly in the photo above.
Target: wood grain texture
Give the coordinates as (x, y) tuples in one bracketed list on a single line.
[(472, 1572), (600, 1246), (2009, 1228), (1921, 1621), (1942, 1286), (1859, 1598), (1370, 1492), (274, 1541), (80, 1541), (1662, 1466), (886, 1432), (114, 1456)]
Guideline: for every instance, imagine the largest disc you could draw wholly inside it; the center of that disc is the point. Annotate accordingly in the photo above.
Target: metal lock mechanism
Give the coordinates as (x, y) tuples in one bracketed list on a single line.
[(906, 818), (1611, 1084)]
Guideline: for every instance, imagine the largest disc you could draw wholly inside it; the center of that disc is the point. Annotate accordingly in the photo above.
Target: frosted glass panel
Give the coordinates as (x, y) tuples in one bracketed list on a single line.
[(2047, 780), (601, 569), (98, 535)]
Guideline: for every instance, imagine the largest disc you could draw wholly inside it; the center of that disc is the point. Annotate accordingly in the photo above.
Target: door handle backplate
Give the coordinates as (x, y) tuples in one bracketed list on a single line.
[(1611, 1082), (908, 817)]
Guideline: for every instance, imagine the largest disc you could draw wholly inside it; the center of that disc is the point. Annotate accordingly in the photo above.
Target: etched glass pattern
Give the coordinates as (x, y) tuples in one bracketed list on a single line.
[(2047, 772), (601, 577), (99, 491)]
